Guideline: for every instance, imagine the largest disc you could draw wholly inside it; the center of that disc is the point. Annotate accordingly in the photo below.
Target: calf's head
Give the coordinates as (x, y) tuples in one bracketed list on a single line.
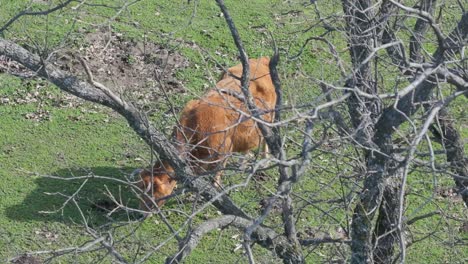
[(155, 184)]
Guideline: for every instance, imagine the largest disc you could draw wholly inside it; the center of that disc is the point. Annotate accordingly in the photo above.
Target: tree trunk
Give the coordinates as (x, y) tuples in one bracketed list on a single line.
[(450, 138)]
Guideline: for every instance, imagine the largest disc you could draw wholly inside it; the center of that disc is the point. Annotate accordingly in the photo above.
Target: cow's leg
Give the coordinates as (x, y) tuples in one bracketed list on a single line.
[(222, 154), (266, 151), (217, 179), (263, 149)]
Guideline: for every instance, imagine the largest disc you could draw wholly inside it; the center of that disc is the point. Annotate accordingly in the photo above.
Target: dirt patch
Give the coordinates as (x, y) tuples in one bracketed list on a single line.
[(138, 71), (449, 193), (14, 68), (25, 259), (135, 70), (464, 227)]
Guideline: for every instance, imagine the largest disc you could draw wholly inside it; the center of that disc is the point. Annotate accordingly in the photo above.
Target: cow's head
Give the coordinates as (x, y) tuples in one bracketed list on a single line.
[(155, 184)]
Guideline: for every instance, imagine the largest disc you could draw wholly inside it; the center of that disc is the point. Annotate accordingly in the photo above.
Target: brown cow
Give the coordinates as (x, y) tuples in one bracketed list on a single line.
[(213, 127)]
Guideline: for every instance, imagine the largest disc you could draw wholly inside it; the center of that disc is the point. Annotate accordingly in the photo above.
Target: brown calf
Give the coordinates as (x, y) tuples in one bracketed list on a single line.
[(212, 127)]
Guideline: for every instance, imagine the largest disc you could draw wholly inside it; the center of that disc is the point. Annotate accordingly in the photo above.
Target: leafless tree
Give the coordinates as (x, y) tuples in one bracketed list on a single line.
[(384, 118)]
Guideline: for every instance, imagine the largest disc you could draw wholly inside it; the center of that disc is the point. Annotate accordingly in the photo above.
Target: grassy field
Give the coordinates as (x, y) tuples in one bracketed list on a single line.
[(44, 133)]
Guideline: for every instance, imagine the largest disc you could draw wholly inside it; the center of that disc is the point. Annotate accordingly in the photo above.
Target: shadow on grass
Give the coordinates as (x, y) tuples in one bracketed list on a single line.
[(91, 200)]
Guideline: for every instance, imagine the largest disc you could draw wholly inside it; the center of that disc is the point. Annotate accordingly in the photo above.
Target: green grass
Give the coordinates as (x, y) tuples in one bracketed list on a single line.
[(74, 141)]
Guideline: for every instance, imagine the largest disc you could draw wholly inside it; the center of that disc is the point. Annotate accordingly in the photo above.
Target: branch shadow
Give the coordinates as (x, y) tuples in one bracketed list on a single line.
[(91, 201)]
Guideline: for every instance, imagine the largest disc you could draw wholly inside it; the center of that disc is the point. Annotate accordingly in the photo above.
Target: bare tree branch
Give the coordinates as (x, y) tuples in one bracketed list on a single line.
[(26, 12)]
